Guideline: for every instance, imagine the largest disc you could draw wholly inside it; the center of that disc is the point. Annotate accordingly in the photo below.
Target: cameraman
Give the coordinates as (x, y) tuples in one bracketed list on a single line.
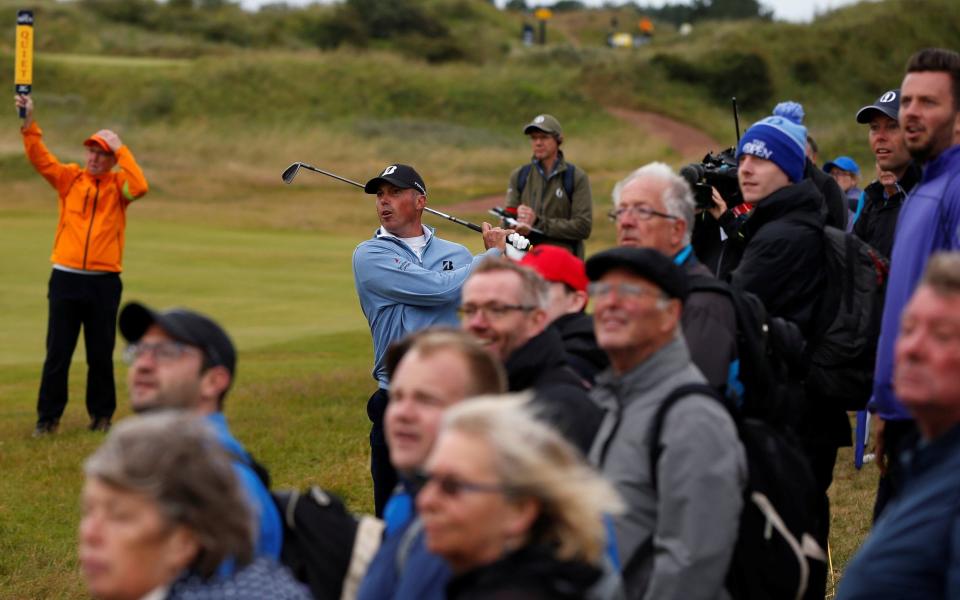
[(778, 255)]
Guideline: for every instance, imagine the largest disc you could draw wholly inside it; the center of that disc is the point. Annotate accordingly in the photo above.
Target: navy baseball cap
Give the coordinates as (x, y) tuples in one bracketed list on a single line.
[(888, 104), (402, 176), (187, 326)]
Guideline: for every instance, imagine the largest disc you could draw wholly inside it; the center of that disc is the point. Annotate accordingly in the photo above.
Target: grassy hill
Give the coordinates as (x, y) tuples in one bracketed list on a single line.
[(214, 116)]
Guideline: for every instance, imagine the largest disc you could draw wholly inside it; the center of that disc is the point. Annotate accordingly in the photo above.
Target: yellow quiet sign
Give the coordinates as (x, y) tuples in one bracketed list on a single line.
[(23, 62), (543, 14)]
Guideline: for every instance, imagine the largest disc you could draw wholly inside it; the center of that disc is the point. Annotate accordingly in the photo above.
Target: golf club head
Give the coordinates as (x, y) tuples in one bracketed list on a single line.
[(290, 173)]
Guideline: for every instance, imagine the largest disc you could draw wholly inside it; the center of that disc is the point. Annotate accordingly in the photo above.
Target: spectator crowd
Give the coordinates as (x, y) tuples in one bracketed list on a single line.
[(671, 443)]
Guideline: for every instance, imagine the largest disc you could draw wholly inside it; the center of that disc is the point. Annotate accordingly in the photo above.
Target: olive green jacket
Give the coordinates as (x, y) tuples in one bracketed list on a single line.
[(565, 221)]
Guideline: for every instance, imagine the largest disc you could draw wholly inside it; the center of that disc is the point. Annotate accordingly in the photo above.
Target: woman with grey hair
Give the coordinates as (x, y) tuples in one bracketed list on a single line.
[(512, 507), (162, 511)]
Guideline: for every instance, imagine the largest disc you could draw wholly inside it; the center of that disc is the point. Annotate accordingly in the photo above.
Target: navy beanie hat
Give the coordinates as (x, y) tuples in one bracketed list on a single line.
[(780, 138)]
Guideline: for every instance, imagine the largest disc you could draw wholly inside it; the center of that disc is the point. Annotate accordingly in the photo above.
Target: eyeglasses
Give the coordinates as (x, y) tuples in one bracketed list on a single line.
[(599, 289), (161, 351), (639, 211), (492, 311), (452, 487)]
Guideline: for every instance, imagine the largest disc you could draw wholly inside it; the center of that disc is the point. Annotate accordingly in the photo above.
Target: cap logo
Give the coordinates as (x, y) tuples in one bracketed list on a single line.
[(389, 170), (758, 148), (420, 187), (888, 97), (559, 192), (539, 119)]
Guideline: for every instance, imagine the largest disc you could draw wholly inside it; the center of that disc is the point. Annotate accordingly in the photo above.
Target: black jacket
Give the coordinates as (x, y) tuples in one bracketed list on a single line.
[(580, 345), (531, 573), (710, 328), (878, 218), (779, 253), (559, 394), (834, 202)]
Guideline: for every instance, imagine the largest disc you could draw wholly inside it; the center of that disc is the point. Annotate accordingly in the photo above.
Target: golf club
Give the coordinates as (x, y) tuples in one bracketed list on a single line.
[(515, 239)]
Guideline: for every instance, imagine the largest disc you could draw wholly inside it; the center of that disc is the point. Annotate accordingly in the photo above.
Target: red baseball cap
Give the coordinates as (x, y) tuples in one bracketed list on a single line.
[(557, 264)]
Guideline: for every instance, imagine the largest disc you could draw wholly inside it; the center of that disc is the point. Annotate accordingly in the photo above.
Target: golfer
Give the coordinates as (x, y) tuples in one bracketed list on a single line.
[(407, 279), (84, 288)]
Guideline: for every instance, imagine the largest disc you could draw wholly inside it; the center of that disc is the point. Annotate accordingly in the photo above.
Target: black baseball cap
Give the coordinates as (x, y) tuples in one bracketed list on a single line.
[(402, 176), (643, 262), (888, 104), (187, 326)]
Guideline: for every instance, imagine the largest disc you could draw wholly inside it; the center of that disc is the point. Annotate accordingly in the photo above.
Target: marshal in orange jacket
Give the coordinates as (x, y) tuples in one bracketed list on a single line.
[(93, 209)]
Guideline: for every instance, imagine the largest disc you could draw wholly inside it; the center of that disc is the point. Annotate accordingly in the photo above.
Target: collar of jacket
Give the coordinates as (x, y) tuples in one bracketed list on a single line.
[(949, 159), (929, 454), (383, 234), (799, 200), (559, 167), (636, 382), (529, 361)]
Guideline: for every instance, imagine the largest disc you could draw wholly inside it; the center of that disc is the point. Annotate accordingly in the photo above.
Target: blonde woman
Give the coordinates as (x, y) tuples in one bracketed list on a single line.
[(512, 507)]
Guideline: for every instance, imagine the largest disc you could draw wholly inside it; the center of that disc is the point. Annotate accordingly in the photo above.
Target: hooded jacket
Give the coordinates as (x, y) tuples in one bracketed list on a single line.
[(93, 208), (559, 394), (834, 202), (580, 345), (530, 573), (928, 223), (780, 253), (878, 218), (678, 542)]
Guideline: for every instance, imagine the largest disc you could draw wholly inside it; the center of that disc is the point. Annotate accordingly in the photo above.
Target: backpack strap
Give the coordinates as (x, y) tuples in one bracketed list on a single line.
[(656, 427), (406, 544), (568, 181), (522, 178)]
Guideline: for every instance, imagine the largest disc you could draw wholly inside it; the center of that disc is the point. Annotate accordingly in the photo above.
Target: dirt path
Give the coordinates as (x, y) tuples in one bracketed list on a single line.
[(689, 142)]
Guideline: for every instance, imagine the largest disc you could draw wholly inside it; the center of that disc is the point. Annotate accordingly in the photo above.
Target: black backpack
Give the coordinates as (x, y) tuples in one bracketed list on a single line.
[(769, 351), (842, 354), (524, 175), (325, 546), (775, 547)]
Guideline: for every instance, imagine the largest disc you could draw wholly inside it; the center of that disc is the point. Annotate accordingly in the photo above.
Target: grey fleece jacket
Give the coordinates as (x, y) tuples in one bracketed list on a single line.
[(678, 544)]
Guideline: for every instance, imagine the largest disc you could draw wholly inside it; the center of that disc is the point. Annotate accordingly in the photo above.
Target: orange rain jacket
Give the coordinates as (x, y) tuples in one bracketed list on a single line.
[(93, 209)]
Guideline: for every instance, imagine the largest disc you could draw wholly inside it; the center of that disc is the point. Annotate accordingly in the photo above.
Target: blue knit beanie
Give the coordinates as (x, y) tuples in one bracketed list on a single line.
[(781, 139)]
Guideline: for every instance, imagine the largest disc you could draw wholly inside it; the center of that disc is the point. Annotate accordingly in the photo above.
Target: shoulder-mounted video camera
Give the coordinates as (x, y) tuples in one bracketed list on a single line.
[(718, 170)]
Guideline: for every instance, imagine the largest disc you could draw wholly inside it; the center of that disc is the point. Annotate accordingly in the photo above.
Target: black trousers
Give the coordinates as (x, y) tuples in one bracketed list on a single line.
[(76, 300), (898, 436), (384, 475)]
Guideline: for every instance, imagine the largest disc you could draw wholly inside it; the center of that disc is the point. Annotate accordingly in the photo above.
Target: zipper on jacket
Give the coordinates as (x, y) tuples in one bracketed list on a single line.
[(86, 247)]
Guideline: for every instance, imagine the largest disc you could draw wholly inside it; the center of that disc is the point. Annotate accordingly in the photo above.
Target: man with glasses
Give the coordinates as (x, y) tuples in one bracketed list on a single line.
[(504, 308), (653, 208), (677, 534), (407, 279), (182, 360)]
